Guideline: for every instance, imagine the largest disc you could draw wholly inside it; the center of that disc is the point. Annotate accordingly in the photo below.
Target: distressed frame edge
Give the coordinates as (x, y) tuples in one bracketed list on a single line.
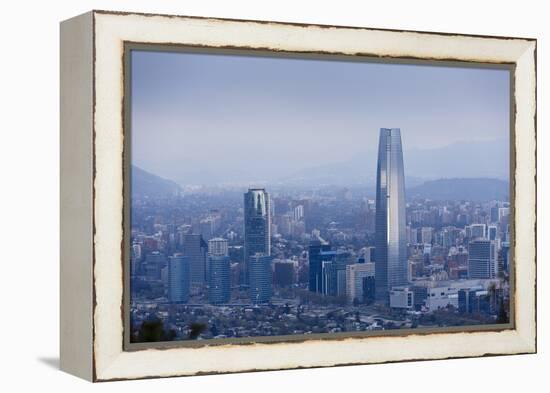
[(529, 339), (76, 196), (304, 24), (128, 47), (526, 133)]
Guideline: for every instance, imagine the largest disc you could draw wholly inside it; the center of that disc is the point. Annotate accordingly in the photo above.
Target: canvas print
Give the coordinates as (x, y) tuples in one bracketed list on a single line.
[(281, 198)]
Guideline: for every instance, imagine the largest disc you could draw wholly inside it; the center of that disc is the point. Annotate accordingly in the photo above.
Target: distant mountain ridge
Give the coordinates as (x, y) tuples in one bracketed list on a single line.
[(465, 159), (471, 189), (147, 184), (476, 159)]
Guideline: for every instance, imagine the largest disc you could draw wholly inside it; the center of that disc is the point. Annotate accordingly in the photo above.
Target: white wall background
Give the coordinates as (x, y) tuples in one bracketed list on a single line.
[(29, 198)]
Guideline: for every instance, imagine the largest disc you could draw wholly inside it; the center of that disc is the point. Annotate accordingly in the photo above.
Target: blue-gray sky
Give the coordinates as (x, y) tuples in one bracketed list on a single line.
[(203, 118)]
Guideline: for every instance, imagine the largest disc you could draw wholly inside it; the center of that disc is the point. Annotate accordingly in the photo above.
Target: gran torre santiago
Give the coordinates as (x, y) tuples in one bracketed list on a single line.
[(390, 225)]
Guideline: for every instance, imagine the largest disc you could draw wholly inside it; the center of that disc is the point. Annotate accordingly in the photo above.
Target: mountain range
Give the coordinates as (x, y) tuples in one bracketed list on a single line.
[(479, 159), (466, 159), (475, 189)]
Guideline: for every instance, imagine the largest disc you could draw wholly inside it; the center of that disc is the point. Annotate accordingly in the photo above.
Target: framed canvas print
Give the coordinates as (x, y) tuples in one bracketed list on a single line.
[(247, 195)]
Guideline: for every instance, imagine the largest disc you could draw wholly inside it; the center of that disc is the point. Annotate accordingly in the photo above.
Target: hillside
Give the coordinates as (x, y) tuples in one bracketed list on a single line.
[(147, 184)]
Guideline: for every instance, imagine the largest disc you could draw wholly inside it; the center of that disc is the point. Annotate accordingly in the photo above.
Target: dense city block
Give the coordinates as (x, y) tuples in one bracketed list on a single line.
[(228, 262)]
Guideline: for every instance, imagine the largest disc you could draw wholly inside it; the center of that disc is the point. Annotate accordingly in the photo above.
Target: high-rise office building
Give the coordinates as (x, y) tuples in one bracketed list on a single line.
[(369, 254), (283, 273), (505, 251), (473, 301), (492, 232), (219, 271), (449, 236), (482, 259), (178, 278), (503, 214), (195, 248), (136, 251), (369, 289), (318, 251), (330, 277), (494, 214), (390, 235), (333, 272), (298, 213), (343, 260), (427, 235), (257, 226), (260, 278), (154, 262), (135, 259), (411, 234)]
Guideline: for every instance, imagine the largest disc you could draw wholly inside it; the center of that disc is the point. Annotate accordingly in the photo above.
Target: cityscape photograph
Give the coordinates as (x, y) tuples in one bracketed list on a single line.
[(290, 196)]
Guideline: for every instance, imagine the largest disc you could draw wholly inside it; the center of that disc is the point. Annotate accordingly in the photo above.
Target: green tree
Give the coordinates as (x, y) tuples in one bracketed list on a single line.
[(195, 330), (152, 330)]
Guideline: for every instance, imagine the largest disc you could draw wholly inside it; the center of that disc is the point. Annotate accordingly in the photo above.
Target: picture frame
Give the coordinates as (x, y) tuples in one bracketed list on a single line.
[(95, 185)]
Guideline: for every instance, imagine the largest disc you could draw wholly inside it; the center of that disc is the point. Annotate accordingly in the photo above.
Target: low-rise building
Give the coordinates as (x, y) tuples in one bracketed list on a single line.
[(441, 294), (355, 276), (401, 297)]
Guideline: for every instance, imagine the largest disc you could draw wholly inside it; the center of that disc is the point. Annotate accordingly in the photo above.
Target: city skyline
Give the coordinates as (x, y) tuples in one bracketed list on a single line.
[(396, 279), (473, 279), (297, 225)]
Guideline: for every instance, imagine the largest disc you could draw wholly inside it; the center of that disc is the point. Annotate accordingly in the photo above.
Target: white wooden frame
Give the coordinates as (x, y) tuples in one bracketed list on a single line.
[(92, 47)]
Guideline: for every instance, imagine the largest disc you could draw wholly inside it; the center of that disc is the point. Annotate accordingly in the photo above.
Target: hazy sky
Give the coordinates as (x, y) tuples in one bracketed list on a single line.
[(256, 117)]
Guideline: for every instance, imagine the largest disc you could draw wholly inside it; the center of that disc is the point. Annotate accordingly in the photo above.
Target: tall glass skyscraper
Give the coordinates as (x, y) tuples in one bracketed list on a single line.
[(195, 248), (261, 278), (178, 278), (317, 253), (390, 226), (219, 277), (482, 259), (257, 227)]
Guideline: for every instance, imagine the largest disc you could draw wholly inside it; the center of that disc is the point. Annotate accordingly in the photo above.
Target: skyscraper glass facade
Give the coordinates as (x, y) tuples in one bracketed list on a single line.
[(482, 259), (178, 278), (317, 253), (390, 226), (195, 248), (219, 272), (261, 277), (257, 226), (219, 280)]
